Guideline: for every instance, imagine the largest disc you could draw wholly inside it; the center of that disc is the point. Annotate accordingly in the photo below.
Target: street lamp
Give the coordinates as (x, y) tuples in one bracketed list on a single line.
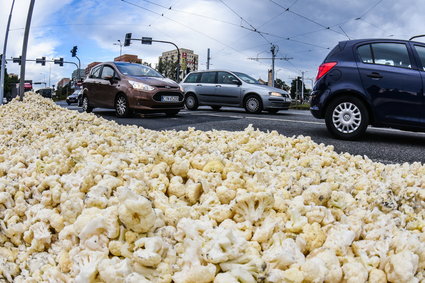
[(120, 44)]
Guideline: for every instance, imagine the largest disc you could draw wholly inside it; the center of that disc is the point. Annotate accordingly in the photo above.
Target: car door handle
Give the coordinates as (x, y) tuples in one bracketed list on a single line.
[(217, 85), (375, 75), (198, 85)]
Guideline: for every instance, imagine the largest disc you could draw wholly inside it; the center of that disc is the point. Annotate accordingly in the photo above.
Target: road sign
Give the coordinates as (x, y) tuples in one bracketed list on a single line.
[(147, 40)]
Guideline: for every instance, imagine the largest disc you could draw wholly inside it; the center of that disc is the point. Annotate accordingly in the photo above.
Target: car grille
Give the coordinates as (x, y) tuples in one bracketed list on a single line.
[(157, 96), (165, 87)]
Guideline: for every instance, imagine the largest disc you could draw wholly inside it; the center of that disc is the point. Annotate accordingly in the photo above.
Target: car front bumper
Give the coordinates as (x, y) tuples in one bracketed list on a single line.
[(281, 103)]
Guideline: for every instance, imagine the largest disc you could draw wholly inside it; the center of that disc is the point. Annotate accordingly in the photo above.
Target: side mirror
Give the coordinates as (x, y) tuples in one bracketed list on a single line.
[(236, 82)]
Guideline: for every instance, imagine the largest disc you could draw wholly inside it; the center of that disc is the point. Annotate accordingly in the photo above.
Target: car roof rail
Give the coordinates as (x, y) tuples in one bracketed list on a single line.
[(416, 36)]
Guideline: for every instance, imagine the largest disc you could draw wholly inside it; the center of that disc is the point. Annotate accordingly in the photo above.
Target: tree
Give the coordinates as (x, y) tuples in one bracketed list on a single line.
[(160, 66), (296, 88), (10, 81), (281, 84)]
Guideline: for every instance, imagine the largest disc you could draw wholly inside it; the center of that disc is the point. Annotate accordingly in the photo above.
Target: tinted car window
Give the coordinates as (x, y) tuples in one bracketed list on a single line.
[(208, 78), (365, 53), (392, 54), (107, 72), (421, 53), (137, 70), (192, 78), (95, 72), (226, 78)]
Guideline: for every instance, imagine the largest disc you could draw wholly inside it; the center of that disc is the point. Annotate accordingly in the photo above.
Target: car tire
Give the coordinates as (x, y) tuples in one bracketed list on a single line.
[(191, 102), (253, 104), (171, 113), (122, 110), (273, 111), (347, 118), (86, 105), (216, 108)]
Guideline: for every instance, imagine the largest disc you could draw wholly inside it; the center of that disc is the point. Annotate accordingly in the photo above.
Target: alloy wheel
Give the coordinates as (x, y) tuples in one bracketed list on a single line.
[(252, 104), (346, 117), (121, 106)]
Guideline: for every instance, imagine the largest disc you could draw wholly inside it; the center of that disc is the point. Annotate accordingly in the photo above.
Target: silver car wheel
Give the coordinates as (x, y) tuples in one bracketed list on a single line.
[(85, 104), (252, 104), (346, 117), (121, 105), (190, 102)]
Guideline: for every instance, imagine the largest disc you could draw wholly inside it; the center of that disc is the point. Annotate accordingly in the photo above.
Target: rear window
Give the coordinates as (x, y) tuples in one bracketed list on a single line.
[(192, 78), (365, 53), (208, 78), (421, 53)]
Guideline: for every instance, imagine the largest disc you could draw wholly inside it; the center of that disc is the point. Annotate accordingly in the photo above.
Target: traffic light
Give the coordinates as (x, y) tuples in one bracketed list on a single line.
[(17, 60), (58, 61), (74, 51), (41, 60), (147, 40), (127, 39)]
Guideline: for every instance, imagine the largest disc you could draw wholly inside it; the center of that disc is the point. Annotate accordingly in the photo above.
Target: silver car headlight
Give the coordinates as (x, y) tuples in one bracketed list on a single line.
[(273, 93), (141, 86)]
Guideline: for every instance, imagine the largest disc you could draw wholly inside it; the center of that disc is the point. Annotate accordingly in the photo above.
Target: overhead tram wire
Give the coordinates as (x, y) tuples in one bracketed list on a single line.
[(191, 13), (242, 19), (182, 24), (306, 18)]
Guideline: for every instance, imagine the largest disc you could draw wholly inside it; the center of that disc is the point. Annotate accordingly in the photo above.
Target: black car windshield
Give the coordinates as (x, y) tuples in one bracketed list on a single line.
[(247, 78), (137, 70)]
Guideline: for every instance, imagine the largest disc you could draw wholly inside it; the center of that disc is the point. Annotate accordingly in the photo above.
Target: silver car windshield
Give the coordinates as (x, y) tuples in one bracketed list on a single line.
[(247, 78), (137, 70)]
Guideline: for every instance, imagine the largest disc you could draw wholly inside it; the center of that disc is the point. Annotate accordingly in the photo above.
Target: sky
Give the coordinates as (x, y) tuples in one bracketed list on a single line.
[(234, 30)]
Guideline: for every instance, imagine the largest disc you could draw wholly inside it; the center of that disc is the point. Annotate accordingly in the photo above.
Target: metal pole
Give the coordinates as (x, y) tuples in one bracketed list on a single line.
[(302, 86), (208, 59), (79, 67), (273, 49), (3, 60), (24, 51), (50, 72)]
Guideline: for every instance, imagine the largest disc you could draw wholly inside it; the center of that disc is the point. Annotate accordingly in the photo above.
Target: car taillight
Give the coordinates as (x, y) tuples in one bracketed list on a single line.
[(324, 68)]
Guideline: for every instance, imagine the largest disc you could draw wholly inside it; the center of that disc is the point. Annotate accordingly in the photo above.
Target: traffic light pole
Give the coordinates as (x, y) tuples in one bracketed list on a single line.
[(178, 57), (79, 66), (24, 50), (3, 57)]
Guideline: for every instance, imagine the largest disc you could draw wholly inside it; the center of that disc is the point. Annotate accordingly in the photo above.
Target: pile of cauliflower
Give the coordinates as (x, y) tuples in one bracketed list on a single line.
[(83, 199)]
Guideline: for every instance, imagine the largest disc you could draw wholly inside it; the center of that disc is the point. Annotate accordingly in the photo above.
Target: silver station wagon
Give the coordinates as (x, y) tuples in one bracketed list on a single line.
[(217, 88)]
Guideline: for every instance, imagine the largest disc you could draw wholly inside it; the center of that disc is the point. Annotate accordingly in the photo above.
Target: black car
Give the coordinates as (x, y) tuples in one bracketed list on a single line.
[(378, 82), (75, 97)]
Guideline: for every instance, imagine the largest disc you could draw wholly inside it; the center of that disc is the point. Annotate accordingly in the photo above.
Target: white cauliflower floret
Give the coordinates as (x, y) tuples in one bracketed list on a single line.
[(248, 268), (283, 252), (41, 236), (317, 194), (137, 214), (401, 267), (339, 238), (85, 265), (224, 244), (148, 251), (114, 270), (322, 265), (252, 206), (354, 272)]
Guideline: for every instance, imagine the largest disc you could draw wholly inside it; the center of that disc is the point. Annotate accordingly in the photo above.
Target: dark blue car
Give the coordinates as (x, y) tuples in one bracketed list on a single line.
[(378, 82)]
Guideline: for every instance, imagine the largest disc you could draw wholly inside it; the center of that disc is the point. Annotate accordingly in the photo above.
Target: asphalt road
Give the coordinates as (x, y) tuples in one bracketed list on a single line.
[(382, 145)]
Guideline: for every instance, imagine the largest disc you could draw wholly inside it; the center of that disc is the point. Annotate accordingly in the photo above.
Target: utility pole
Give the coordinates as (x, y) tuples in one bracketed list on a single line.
[(302, 86), (3, 57), (274, 51), (24, 50), (208, 59)]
